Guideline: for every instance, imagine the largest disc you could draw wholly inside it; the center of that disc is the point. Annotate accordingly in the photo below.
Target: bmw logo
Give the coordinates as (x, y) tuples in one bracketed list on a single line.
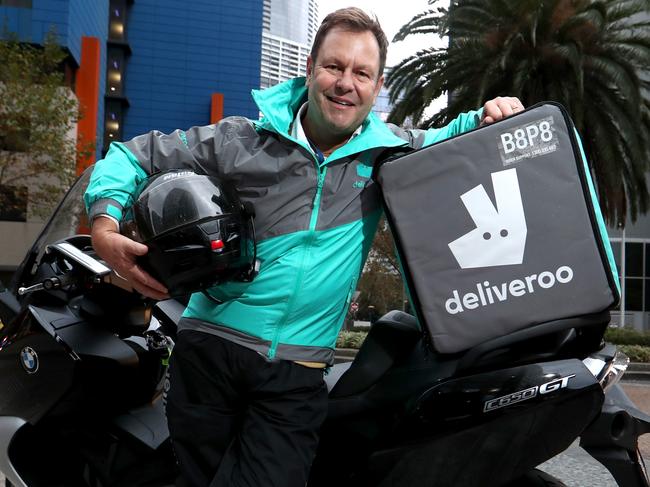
[(29, 359)]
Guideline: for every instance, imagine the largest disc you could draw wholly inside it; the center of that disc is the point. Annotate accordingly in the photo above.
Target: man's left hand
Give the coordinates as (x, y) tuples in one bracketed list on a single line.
[(500, 108)]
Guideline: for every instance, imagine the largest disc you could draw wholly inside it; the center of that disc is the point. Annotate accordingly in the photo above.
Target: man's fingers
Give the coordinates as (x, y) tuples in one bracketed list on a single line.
[(137, 248), (500, 108), (143, 278), (150, 292), (153, 294), (506, 109), (487, 120), (492, 111)]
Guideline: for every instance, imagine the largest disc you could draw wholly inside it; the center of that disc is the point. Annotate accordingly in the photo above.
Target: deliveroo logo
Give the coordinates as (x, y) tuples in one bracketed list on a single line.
[(500, 234)]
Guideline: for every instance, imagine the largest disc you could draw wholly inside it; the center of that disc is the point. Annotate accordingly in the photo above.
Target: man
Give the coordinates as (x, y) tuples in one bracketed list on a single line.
[(247, 396)]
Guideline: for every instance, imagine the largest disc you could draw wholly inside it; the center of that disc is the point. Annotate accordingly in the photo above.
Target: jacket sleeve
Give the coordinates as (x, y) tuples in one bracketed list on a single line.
[(117, 179), (462, 123)]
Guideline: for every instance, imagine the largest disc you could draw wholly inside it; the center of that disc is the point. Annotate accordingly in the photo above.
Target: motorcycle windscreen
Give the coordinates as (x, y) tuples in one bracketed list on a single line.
[(497, 229)]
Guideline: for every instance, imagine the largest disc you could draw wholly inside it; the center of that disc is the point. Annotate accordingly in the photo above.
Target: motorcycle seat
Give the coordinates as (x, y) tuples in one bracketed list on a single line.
[(390, 339)]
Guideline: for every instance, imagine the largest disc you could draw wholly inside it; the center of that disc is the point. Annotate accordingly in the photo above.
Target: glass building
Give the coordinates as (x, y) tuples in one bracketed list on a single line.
[(288, 30)]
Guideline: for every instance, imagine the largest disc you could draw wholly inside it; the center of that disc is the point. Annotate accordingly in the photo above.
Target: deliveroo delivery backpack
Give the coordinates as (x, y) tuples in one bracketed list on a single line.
[(499, 229)]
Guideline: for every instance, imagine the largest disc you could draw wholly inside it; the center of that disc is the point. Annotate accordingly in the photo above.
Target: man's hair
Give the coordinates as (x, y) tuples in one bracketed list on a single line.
[(356, 20)]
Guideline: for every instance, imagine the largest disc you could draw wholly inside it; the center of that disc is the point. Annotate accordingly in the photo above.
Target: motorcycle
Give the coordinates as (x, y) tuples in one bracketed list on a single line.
[(82, 374)]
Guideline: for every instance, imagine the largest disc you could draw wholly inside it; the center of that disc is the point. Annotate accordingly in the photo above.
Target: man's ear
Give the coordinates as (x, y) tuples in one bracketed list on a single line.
[(310, 69), (380, 83)]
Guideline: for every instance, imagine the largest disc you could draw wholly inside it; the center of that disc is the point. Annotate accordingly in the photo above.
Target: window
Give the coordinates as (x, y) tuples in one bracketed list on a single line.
[(115, 72), (117, 20), (637, 273), (13, 203), (112, 122), (633, 259), (16, 3), (634, 294)]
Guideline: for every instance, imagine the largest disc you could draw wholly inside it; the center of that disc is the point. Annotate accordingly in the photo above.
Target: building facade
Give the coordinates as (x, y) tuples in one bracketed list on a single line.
[(631, 246), (140, 65), (289, 28), (188, 64)]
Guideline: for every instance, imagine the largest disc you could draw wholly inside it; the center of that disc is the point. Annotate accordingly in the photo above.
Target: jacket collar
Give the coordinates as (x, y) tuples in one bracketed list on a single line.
[(280, 103)]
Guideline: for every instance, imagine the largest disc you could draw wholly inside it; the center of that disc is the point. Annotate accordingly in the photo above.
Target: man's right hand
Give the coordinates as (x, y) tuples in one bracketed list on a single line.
[(120, 254)]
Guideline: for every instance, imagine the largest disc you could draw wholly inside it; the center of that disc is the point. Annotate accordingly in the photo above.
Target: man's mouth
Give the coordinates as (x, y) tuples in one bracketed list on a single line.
[(339, 101)]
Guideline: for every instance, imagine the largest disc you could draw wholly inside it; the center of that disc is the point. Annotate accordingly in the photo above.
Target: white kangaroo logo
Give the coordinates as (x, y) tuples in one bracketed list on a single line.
[(500, 234)]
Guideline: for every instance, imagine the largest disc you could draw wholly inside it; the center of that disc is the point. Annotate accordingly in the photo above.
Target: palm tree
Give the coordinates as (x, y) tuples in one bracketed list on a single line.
[(592, 56)]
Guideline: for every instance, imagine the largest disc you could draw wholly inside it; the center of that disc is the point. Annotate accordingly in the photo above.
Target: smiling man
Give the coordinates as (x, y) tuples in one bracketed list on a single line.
[(247, 396), (343, 81)]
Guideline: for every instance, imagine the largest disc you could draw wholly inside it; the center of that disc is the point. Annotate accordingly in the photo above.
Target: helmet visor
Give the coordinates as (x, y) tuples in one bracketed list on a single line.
[(178, 199)]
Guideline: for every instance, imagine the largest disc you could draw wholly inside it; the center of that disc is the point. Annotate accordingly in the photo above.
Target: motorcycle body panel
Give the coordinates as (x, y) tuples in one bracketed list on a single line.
[(476, 427), (29, 391)]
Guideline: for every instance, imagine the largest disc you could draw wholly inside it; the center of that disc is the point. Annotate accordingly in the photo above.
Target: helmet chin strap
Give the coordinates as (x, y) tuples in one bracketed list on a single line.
[(254, 269), (211, 298)]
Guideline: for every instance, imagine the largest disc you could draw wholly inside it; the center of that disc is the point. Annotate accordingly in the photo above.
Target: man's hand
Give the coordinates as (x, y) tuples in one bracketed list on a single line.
[(499, 108), (120, 253)]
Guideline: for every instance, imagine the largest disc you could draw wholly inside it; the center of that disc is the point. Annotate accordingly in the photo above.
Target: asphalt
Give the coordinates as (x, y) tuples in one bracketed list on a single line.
[(639, 393)]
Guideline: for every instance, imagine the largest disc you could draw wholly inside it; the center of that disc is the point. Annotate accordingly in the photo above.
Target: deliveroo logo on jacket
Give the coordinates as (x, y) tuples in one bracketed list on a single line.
[(499, 239), (500, 234)]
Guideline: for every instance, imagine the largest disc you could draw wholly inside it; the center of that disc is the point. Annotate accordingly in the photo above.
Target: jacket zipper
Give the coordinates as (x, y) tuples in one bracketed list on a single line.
[(320, 182), (346, 305)]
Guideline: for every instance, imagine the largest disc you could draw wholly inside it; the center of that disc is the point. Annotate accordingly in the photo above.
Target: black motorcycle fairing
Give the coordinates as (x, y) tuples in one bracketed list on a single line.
[(494, 450), (82, 339), (450, 434), (146, 423), (81, 366), (168, 313), (478, 398), (90, 452), (612, 438), (30, 394)]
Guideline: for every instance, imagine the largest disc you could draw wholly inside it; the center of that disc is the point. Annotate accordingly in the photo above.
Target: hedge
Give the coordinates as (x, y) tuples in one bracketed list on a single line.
[(637, 353), (627, 336), (351, 339)]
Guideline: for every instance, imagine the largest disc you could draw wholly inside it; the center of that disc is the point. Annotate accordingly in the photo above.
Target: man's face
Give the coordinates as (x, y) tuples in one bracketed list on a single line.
[(343, 82)]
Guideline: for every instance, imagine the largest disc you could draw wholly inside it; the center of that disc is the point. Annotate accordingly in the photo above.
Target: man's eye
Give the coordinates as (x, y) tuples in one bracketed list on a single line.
[(363, 75)]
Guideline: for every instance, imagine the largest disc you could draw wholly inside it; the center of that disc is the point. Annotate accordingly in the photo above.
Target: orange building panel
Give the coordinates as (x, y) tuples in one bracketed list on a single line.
[(216, 109), (88, 95)]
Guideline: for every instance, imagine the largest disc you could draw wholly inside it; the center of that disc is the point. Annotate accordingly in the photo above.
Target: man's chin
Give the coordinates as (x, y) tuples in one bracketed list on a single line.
[(344, 129)]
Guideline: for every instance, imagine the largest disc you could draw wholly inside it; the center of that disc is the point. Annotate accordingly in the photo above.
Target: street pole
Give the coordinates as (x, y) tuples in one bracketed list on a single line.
[(622, 307)]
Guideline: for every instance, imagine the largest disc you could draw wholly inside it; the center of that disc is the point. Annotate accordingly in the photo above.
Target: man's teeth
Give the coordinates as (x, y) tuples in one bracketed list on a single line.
[(345, 103)]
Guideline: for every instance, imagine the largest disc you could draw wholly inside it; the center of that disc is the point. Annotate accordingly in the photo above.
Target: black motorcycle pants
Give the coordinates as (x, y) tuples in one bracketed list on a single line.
[(238, 419)]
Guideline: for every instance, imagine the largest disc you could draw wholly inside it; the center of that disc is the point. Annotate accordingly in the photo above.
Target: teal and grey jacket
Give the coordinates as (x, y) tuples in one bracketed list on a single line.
[(315, 220)]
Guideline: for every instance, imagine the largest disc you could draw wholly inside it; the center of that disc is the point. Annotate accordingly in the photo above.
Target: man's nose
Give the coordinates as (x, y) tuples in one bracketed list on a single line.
[(345, 82)]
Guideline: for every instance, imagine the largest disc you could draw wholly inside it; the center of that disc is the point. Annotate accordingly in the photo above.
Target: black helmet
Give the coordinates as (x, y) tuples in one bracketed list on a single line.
[(197, 230)]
